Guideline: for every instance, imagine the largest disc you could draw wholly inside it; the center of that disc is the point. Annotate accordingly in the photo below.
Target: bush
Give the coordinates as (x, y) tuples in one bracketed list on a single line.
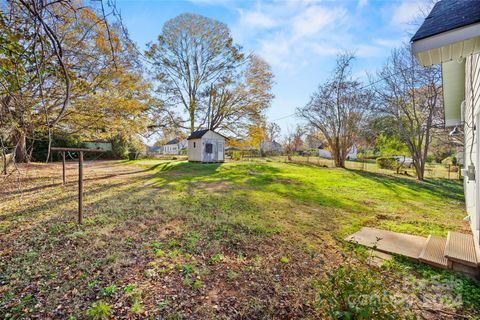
[(40, 146), (387, 163), (356, 292), (236, 155)]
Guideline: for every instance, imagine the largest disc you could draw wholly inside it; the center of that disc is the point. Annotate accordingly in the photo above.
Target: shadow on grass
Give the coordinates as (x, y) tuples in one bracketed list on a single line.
[(256, 177), (442, 188)]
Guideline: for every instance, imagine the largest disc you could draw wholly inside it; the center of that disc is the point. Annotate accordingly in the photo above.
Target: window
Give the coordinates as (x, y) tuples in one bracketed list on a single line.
[(209, 148), (194, 145)]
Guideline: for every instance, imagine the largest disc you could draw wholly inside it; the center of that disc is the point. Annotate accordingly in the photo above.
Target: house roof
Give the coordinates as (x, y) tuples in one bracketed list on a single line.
[(200, 133), (447, 15), (155, 148), (174, 141)]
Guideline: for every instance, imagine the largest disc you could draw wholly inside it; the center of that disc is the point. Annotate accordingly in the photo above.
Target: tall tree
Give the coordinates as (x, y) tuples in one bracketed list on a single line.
[(412, 96), (192, 54), (59, 62), (338, 108), (239, 101)]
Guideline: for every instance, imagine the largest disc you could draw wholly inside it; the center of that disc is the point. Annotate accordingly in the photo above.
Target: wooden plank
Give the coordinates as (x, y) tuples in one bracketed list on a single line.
[(390, 242), (434, 252), (460, 248)]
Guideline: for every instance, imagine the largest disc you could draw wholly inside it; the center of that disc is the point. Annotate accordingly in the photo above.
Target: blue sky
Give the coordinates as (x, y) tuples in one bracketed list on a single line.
[(299, 39)]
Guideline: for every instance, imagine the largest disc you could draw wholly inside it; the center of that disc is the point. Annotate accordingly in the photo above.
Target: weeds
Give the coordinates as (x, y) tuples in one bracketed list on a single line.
[(356, 293), (109, 291), (99, 310)]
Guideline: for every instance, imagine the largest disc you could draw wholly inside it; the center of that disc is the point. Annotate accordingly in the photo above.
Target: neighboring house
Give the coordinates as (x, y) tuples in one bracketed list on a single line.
[(174, 146), (155, 149), (324, 153), (450, 37), (206, 146), (99, 145), (270, 147)]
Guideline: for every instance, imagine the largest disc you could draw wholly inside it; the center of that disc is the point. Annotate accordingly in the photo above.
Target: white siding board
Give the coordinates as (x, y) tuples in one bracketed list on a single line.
[(472, 109)]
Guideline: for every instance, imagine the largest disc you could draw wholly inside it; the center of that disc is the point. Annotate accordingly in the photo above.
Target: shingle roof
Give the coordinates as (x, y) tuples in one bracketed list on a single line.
[(200, 133), (174, 141), (197, 134), (447, 15)]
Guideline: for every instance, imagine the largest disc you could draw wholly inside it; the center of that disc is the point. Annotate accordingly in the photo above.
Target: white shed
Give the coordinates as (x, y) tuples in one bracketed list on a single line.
[(206, 146)]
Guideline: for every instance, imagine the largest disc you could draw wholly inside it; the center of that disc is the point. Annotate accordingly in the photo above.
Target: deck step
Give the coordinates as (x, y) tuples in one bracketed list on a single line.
[(460, 248), (389, 242), (433, 252)]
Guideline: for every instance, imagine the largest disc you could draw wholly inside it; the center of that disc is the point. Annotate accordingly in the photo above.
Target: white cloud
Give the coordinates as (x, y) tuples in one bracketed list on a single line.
[(406, 12), (315, 18), (362, 3), (293, 34), (256, 19)]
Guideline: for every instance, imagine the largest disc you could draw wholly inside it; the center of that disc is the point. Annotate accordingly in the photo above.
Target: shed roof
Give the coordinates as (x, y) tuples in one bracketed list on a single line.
[(200, 133), (447, 15)]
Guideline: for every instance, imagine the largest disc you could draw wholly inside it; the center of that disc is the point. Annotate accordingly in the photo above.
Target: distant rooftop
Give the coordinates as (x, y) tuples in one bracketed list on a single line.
[(174, 141), (448, 15)]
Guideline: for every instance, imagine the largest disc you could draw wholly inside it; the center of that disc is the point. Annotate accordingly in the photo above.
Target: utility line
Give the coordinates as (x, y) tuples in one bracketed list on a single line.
[(361, 88)]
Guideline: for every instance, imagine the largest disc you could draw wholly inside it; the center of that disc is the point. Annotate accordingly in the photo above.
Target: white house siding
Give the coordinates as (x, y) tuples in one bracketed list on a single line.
[(471, 117), (195, 150), (170, 149)]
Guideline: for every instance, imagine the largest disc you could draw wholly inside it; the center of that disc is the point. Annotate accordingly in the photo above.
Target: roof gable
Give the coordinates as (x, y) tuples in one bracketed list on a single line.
[(447, 15), (200, 133)]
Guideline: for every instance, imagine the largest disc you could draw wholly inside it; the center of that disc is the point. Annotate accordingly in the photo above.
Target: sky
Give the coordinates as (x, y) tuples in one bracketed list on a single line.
[(299, 39)]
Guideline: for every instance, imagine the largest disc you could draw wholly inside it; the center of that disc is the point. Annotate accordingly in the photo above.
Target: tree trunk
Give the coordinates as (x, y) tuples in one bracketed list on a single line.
[(20, 141), (419, 169)]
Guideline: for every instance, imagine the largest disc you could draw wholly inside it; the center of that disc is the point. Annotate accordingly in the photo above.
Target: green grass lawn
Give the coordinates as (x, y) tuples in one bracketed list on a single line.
[(239, 240)]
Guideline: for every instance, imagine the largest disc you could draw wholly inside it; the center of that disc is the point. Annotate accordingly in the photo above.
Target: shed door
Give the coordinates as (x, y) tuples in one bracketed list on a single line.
[(208, 155), (220, 151)]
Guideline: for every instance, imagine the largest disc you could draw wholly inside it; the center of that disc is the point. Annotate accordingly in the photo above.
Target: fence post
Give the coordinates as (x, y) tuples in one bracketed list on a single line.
[(80, 187), (63, 167)]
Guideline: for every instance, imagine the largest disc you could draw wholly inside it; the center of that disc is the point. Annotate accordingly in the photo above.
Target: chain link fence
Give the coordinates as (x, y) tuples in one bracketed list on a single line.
[(432, 170)]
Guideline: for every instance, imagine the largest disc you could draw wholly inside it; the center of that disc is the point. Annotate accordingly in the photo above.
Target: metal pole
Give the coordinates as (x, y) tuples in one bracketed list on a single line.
[(63, 166), (80, 187)]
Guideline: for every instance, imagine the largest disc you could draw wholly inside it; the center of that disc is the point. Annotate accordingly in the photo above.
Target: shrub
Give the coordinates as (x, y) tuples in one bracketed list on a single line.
[(355, 292), (236, 155), (387, 163), (98, 311), (449, 161)]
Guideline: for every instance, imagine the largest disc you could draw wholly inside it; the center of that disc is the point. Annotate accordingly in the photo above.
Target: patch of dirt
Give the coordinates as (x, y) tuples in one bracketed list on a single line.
[(287, 181)]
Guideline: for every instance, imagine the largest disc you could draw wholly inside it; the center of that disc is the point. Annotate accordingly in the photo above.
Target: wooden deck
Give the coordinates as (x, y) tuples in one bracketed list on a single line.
[(389, 242), (457, 252)]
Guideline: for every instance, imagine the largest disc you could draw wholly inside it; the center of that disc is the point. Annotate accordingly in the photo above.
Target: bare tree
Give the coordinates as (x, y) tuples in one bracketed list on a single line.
[(240, 100), (412, 96), (272, 131), (337, 109), (192, 54)]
